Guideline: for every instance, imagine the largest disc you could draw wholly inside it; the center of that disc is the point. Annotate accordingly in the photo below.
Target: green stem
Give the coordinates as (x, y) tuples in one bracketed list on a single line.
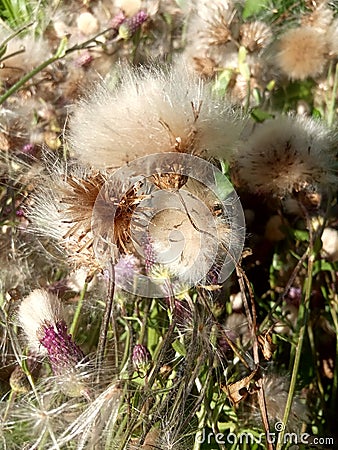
[(333, 310), (302, 320), (331, 103), (75, 322)]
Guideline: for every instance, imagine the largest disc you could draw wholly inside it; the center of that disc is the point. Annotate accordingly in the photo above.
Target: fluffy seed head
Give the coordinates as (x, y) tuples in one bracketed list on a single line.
[(285, 154), (151, 112), (87, 23), (302, 52), (276, 392)]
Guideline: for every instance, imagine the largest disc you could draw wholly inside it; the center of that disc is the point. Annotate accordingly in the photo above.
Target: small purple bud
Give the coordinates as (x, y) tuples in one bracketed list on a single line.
[(28, 149), (294, 296), (129, 27), (20, 212), (63, 353), (141, 358)]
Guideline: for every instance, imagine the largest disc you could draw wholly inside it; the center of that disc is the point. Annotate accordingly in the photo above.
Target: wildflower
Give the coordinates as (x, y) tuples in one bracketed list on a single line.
[(287, 154), (129, 27), (302, 52), (151, 111), (141, 358), (47, 335)]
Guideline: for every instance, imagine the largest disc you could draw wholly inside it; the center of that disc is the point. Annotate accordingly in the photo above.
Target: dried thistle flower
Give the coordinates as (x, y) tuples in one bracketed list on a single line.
[(321, 17), (87, 23), (61, 209), (212, 21), (255, 35), (287, 154), (151, 111), (211, 34)]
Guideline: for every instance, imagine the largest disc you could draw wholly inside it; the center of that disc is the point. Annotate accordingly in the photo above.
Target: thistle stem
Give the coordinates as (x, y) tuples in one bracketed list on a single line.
[(106, 318), (302, 320)]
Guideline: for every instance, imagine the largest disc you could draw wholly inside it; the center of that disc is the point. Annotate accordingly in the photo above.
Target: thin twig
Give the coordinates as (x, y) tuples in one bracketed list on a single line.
[(252, 319), (106, 318)]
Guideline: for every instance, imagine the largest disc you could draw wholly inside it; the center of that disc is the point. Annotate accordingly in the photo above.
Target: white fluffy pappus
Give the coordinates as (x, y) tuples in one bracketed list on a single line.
[(37, 309), (151, 111), (287, 153)]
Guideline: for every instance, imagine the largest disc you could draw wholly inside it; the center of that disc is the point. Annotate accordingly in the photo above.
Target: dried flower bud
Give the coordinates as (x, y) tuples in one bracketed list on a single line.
[(18, 381)]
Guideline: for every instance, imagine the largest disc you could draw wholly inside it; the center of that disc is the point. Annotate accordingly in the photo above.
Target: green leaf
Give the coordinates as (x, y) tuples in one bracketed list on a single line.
[(179, 347), (61, 51), (253, 7), (259, 115), (243, 66), (322, 266), (222, 82), (301, 235)]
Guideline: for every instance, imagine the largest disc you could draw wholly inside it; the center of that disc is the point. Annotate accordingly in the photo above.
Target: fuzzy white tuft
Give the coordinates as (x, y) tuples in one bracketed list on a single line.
[(151, 111), (287, 153), (302, 52), (38, 308)]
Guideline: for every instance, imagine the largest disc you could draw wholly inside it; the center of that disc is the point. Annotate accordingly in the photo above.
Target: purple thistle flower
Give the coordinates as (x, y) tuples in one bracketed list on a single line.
[(141, 358), (294, 296), (129, 27), (62, 351), (40, 317)]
